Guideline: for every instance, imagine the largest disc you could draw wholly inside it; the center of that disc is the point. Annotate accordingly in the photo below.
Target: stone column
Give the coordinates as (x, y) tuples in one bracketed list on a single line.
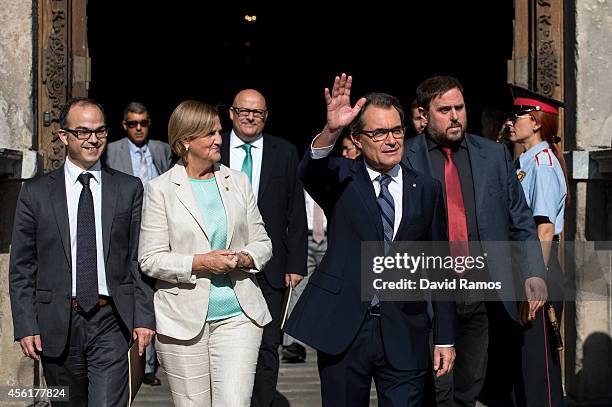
[(17, 161), (589, 83)]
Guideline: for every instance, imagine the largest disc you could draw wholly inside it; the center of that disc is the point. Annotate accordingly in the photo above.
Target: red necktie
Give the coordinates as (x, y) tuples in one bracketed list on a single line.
[(457, 222)]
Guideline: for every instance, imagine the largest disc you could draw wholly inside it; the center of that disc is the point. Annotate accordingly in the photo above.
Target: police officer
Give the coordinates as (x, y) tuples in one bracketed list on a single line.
[(533, 124)]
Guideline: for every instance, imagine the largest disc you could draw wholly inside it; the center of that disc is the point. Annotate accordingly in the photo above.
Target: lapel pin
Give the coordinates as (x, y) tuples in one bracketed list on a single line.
[(413, 185)]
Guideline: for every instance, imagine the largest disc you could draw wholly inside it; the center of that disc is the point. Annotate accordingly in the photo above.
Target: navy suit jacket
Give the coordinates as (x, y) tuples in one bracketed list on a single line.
[(330, 311), (502, 214)]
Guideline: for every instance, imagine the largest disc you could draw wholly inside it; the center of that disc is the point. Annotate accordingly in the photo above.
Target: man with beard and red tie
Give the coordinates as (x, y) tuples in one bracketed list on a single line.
[(485, 203)]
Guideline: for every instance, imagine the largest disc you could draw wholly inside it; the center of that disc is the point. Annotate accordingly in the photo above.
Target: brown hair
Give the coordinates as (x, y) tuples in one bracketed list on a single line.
[(382, 100), (433, 87), (78, 101), (190, 119), (549, 127)]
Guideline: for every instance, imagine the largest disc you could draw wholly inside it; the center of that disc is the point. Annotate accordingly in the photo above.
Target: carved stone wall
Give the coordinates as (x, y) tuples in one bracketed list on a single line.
[(593, 56), (16, 123)]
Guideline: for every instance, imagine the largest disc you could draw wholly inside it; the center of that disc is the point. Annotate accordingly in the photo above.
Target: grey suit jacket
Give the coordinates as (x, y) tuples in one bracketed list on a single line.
[(40, 271), (117, 156)]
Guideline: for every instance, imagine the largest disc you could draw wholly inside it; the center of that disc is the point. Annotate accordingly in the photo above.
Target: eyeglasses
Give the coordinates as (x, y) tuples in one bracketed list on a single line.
[(134, 123), (381, 134), (244, 112), (85, 134)]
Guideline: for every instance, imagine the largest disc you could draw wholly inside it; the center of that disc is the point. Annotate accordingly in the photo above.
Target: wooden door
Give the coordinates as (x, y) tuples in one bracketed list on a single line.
[(62, 70)]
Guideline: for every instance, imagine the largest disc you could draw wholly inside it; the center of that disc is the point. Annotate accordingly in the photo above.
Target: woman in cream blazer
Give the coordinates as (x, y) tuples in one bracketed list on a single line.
[(203, 239)]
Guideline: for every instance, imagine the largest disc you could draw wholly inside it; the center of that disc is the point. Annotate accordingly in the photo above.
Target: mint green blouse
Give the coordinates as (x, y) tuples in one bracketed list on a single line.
[(222, 302)]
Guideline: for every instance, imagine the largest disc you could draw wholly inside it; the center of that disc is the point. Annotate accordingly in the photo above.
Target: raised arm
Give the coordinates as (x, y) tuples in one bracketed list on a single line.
[(339, 111)]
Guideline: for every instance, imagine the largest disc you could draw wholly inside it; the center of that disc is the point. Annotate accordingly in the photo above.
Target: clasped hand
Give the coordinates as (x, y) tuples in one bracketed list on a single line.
[(222, 261)]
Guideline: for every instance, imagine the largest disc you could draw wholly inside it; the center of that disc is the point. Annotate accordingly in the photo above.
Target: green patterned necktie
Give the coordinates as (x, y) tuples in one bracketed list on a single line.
[(247, 163)]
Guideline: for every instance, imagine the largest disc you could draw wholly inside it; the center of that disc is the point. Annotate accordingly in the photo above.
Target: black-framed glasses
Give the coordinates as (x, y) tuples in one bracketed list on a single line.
[(134, 123), (85, 134), (244, 112), (381, 134)]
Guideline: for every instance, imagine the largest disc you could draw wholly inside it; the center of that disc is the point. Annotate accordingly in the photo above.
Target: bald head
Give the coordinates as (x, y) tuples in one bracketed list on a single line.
[(249, 96), (249, 114)]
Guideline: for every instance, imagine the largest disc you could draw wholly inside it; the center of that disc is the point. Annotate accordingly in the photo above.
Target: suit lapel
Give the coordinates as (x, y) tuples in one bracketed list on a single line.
[(225, 150), (57, 192), (185, 195), (368, 197), (410, 190), (156, 154), (478, 163), (126, 158), (225, 189), (267, 165), (109, 192), (417, 156)]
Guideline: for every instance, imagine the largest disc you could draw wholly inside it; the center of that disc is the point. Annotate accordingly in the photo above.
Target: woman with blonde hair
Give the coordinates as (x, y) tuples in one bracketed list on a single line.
[(203, 239)]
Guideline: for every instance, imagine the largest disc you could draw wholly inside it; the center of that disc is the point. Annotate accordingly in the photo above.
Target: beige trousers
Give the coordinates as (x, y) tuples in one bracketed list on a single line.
[(216, 368)]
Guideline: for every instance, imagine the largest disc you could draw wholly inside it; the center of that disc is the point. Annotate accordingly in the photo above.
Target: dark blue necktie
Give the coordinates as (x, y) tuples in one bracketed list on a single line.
[(86, 262), (387, 214), (387, 209)]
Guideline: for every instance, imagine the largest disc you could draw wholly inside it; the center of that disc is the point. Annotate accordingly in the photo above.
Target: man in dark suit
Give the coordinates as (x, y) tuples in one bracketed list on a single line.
[(485, 203), (271, 164), (136, 154), (370, 199), (77, 297)]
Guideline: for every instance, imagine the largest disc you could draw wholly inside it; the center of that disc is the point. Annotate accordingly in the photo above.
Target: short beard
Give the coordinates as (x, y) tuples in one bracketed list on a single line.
[(442, 139)]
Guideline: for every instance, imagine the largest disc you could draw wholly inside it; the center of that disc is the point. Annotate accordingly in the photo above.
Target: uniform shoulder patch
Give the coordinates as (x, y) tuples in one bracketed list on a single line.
[(543, 158)]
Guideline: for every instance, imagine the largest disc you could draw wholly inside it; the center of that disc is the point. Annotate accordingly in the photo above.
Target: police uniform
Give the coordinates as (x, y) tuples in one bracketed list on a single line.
[(543, 182)]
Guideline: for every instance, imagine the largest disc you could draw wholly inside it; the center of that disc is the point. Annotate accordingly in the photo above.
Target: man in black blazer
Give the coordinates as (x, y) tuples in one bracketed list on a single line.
[(77, 297), (271, 164), (355, 339), (493, 210)]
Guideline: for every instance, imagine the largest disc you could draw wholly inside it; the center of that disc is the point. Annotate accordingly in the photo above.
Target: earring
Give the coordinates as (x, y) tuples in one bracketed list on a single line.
[(187, 147)]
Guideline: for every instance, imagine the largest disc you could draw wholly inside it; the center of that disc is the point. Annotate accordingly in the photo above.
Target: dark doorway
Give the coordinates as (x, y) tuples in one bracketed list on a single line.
[(161, 53)]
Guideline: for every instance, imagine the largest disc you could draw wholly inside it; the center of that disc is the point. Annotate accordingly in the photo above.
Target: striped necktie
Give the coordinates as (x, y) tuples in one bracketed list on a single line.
[(387, 208), (144, 168)]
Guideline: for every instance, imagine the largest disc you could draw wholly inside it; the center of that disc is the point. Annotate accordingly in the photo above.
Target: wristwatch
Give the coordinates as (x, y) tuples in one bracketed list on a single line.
[(247, 255)]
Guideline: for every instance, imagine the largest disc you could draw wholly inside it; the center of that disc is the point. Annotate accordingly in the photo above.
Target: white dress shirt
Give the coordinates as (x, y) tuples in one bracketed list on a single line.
[(395, 186), (73, 193), (310, 212), (237, 155)]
